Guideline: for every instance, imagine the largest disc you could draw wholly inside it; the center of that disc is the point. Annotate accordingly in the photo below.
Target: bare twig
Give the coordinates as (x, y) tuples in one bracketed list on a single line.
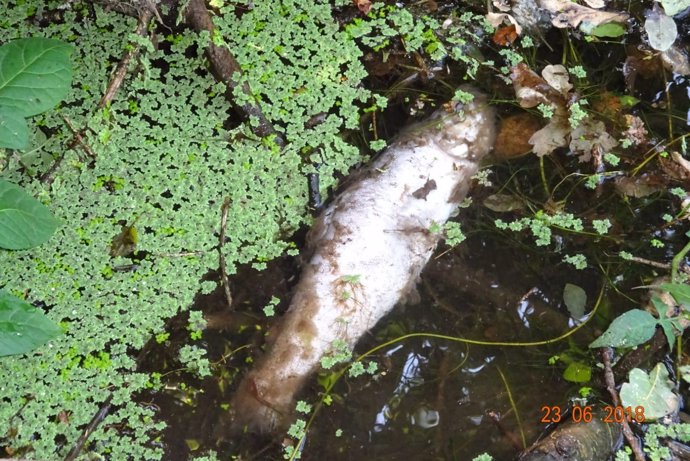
[(93, 424), (225, 67), (607, 355), (145, 16), (221, 238)]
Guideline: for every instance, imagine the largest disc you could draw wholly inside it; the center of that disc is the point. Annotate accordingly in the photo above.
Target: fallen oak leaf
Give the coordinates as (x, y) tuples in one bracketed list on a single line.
[(554, 135)]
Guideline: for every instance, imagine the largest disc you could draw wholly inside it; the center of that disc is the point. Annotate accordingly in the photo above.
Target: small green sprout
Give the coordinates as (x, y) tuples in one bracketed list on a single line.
[(578, 260), (602, 226), (303, 407), (546, 110)]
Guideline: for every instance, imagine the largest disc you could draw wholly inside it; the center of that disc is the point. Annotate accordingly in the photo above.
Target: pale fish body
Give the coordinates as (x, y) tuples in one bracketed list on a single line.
[(368, 249)]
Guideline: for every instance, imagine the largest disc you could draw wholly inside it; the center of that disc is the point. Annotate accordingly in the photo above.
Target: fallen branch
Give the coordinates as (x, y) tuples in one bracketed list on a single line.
[(145, 16), (93, 424), (607, 355), (225, 66)]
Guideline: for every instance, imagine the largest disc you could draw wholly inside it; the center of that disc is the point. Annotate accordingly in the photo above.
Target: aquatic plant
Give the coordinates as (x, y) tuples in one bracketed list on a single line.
[(154, 168)]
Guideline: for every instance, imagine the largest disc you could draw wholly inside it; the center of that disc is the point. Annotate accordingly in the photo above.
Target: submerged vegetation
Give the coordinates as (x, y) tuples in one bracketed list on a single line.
[(172, 183)]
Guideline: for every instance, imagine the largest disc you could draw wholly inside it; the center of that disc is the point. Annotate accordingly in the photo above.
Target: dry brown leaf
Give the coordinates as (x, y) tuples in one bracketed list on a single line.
[(636, 131), (363, 5), (532, 90), (676, 60), (505, 36), (552, 136), (591, 139), (640, 186), (514, 135), (557, 76), (497, 20), (608, 105), (569, 14), (676, 167)]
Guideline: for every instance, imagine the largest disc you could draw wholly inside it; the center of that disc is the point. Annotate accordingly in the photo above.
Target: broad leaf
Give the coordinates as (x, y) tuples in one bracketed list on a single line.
[(661, 30), (14, 133), (679, 291), (672, 7), (24, 221), (651, 391), (578, 372), (22, 327), (36, 74), (612, 29), (575, 300), (670, 327), (630, 329)]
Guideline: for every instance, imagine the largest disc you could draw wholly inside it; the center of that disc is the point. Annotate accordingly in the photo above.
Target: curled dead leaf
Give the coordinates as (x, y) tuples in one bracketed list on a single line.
[(676, 60), (532, 90), (676, 167), (591, 139), (505, 36), (552, 136), (557, 76), (363, 5)]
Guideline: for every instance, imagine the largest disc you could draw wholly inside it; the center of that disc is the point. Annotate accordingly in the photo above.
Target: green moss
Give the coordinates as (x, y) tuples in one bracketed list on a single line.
[(164, 160)]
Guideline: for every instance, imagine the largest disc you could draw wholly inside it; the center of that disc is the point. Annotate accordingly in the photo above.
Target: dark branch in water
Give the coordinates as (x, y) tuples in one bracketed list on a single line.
[(223, 272), (93, 424), (225, 66), (607, 356)]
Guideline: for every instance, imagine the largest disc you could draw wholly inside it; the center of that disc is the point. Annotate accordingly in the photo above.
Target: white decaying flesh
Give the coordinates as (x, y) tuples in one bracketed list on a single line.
[(367, 251)]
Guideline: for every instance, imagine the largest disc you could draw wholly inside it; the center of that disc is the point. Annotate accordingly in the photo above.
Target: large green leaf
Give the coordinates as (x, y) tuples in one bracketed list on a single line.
[(22, 327), (653, 392), (35, 74), (14, 133), (24, 221), (630, 329)]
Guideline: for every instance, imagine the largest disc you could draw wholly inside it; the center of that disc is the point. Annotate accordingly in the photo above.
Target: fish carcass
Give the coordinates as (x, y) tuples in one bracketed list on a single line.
[(366, 251)]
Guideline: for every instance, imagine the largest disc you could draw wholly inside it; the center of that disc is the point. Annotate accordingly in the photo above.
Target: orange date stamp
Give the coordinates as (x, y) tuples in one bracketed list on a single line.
[(608, 414)]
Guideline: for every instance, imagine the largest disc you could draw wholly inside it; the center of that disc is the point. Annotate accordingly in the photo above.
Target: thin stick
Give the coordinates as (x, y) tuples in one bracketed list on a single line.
[(93, 424), (223, 273), (145, 17), (607, 355)]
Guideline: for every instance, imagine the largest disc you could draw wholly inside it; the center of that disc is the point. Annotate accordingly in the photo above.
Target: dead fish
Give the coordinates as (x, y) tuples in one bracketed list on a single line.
[(595, 440), (366, 252)]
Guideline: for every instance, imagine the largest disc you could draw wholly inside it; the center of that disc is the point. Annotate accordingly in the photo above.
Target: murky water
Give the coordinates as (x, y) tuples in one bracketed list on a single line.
[(430, 398)]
